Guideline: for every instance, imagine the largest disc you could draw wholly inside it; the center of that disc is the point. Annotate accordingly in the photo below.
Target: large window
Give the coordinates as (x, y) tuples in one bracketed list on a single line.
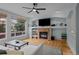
[(2, 28), (17, 27)]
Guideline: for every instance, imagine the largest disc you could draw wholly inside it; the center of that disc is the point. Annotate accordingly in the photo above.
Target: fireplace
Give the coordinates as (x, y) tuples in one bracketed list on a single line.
[(43, 35)]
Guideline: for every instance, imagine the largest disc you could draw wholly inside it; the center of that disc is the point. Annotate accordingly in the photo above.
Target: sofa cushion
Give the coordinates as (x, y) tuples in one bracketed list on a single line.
[(5, 48), (14, 52)]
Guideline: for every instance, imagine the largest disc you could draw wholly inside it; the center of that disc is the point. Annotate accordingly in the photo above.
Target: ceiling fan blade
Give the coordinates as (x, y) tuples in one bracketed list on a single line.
[(37, 12), (40, 8), (26, 7), (30, 11)]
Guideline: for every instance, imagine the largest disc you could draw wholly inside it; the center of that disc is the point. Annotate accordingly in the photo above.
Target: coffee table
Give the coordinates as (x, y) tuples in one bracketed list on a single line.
[(16, 44)]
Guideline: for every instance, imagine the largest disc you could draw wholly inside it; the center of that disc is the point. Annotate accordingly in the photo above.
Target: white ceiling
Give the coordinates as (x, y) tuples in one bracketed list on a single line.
[(52, 9)]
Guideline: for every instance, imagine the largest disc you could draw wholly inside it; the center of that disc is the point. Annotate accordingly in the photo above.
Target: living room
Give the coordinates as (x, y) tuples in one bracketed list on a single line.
[(37, 28)]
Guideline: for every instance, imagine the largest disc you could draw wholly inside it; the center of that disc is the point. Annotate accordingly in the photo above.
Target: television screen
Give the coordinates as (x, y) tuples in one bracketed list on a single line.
[(44, 22)]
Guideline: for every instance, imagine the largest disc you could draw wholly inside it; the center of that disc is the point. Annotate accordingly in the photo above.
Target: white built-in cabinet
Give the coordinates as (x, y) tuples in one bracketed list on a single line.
[(57, 28)]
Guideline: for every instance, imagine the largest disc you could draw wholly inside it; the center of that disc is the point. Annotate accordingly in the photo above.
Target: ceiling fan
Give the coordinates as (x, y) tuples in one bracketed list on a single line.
[(35, 9)]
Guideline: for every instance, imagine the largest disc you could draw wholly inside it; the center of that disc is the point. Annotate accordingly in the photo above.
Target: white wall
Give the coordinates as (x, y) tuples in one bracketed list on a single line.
[(58, 20), (56, 32), (77, 29), (71, 31)]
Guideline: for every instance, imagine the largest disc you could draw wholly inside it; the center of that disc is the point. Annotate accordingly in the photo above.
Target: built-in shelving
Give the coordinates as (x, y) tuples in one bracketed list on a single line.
[(41, 27), (55, 24), (50, 27), (59, 27)]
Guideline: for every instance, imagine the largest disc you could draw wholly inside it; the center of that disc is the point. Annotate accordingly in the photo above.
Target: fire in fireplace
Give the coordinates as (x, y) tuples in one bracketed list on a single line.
[(43, 35)]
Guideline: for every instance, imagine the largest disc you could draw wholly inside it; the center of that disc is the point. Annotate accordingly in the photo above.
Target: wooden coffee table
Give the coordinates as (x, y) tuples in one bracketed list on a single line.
[(16, 44)]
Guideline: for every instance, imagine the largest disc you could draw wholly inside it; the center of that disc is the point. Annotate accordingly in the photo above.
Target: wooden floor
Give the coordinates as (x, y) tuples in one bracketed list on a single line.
[(53, 43)]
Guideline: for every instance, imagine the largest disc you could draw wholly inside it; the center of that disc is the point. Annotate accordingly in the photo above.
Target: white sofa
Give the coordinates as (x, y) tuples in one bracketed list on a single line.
[(9, 51), (25, 50), (33, 50)]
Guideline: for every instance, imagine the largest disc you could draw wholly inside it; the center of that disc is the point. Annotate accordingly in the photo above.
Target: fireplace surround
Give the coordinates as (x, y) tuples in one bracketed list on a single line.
[(44, 33)]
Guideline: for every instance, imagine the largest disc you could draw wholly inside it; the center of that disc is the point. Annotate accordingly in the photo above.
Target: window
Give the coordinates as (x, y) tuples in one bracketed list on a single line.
[(17, 27), (2, 28)]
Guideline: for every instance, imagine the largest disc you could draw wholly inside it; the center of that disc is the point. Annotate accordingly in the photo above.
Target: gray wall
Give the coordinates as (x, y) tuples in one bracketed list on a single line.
[(77, 29), (71, 30)]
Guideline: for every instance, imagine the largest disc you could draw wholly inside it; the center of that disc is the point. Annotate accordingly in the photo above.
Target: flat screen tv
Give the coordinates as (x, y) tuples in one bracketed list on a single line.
[(44, 22)]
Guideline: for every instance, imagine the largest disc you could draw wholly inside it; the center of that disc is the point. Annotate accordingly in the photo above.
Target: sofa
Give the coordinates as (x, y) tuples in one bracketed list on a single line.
[(31, 50), (25, 50)]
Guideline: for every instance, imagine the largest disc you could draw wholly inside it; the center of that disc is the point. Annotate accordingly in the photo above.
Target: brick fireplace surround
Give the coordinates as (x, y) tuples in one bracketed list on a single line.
[(43, 32)]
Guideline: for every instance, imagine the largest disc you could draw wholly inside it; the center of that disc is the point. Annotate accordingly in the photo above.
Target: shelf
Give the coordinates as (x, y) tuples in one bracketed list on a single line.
[(34, 35), (50, 27), (41, 27), (34, 30), (59, 27)]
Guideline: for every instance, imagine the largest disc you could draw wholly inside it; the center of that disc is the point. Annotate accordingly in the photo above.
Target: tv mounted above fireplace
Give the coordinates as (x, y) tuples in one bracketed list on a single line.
[(44, 22)]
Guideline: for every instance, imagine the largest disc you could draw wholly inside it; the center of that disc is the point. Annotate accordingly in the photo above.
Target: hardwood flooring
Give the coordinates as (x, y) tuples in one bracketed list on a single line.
[(62, 44)]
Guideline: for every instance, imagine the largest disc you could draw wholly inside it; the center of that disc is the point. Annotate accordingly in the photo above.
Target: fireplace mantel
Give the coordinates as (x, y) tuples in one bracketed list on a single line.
[(37, 31)]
